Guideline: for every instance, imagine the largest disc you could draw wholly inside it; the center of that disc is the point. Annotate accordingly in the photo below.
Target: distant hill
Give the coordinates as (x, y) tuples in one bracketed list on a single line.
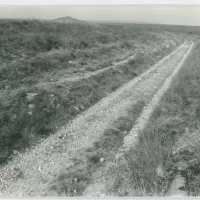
[(71, 20)]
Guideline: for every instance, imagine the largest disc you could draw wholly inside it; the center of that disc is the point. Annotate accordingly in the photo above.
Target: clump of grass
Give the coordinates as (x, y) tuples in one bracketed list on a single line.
[(72, 183)]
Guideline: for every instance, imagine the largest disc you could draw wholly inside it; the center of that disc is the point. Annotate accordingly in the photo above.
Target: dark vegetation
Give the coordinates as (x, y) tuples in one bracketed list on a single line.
[(31, 49)]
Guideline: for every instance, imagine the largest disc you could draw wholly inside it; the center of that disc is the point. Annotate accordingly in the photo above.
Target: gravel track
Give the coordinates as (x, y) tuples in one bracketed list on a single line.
[(165, 74), (30, 173)]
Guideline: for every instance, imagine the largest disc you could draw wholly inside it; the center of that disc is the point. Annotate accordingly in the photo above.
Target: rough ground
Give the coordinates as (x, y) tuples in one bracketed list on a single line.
[(98, 186), (29, 174)]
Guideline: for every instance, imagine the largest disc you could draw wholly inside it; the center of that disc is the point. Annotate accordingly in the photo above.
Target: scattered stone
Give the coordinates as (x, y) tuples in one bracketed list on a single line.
[(15, 152), (187, 131), (125, 132), (102, 160), (30, 96), (82, 107), (76, 108), (51, 147), (45, 152), (75, 191), (30, 112), (160, 171), (13, 117), (72, 62), (59, 86), (20, 174), (60, 137), (31, 106), (177, 184), (39, 168), (16, 169), (75, 180), (167, 46), (181, 165), (7, 87), (118, 156)]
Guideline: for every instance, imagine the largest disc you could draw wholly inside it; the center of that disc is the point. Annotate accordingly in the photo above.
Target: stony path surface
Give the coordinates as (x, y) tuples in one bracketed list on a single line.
[(165, 75), (30, 173)]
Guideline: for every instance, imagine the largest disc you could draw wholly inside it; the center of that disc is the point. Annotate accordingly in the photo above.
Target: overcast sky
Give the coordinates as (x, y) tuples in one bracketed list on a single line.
[(182, 15)]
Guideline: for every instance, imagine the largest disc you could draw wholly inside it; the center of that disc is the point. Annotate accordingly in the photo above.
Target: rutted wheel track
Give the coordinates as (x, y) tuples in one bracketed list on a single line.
[(41, 164)]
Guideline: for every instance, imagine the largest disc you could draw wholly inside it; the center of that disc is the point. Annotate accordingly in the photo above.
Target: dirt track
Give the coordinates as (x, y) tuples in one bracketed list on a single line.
[(41, 164)]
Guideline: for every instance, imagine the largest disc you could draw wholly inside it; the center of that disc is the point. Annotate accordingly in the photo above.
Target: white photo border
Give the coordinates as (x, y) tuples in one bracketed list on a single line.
[(100, 2)]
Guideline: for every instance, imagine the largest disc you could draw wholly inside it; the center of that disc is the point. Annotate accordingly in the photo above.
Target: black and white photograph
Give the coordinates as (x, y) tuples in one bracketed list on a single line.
[(100, 100)]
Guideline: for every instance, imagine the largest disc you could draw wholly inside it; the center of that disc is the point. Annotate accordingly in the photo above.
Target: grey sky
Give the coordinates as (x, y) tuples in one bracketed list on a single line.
[(183, 15)]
